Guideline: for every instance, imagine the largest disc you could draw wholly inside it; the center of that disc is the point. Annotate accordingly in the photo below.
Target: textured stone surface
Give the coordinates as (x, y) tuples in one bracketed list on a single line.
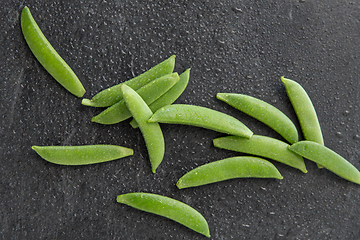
[(231, 46)]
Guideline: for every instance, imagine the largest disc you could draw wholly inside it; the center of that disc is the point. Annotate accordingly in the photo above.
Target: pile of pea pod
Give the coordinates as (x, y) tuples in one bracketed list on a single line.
[(148, 99)]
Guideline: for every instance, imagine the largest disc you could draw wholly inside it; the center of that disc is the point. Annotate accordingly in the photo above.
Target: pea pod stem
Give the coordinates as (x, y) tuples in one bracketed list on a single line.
[(170, 96), (151, 132), (149, 93), (167, 207), (47, 55), (264, 112), (229, 168), (201, 117), (82, 155), (327, 158), (262, 146), (112, 95)]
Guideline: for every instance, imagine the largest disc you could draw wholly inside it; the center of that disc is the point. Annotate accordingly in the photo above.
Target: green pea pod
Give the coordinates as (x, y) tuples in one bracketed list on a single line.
[(47, 56), (201, 117), (304, 110), (170, 96), (149, 93), (229, 168), (167, 207), (263, 112), (82, 155), (112, 95), (152, 133), (262, 146), (327, 158)]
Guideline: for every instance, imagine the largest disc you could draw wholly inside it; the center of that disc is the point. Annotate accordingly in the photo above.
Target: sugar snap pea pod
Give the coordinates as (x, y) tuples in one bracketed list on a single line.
[(47, 56), (151, 132), (304, 110), (112, 95), (167, 207), (82, 155), (229, 168), (170, 96), (263, 112), (262, 146), (327, 158), (149, 93), (201, 117)]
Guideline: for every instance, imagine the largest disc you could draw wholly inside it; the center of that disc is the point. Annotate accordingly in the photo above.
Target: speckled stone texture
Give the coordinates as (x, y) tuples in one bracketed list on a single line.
[(230, 46)]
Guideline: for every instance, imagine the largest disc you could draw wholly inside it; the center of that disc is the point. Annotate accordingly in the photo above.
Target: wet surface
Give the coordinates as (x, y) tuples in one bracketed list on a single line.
[(230, 46)]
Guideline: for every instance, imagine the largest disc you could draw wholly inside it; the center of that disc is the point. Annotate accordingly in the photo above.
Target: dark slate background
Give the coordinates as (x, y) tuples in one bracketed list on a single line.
[(231, 46)]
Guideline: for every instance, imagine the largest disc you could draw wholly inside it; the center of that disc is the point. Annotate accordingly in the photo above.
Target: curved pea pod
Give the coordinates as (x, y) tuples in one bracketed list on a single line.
[(229, 168), (263, 112), (151, 132), (112, 95), (170, 96), (149, 93), (262, 146), (167, 207), (201, 117), (47, 55), (304, 110), (327, 158), (82, 155)]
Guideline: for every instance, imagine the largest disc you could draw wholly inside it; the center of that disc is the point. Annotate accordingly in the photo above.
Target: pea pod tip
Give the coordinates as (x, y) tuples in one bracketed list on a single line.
[(283, 79), (94, 119), (178, 184), (118, 198), (81, 93), (87, 102)]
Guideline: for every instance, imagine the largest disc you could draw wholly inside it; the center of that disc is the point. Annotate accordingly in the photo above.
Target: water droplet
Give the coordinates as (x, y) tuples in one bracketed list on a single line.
[(338, 134)]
